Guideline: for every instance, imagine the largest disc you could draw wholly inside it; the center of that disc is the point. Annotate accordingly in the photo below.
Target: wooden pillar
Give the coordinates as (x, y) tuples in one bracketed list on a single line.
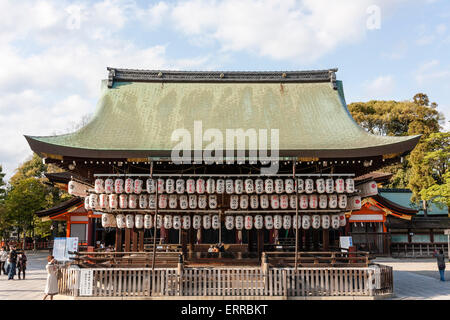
[(127, 239), (118, 244), (260, 241), (315, 236), (325, 239), (141, 240), (183, 238), (249, 241), (134, 240)]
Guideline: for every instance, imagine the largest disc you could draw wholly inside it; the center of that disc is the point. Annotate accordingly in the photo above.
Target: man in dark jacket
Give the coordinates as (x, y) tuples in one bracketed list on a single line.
[(441, 263), (12, 263)]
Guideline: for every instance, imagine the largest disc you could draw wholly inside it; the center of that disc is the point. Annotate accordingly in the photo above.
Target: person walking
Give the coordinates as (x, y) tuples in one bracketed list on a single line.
[(21, 264), (441, 263), (3, 258), (12, 260), (51, 287)]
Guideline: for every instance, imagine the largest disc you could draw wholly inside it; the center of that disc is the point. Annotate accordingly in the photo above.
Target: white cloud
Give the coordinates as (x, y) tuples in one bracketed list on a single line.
[(381, 87), (431, 71)]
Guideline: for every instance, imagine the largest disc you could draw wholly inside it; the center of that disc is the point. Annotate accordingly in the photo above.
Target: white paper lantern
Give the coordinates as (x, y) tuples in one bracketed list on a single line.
[(113, 201), (249, 187), (313, 201), (129, 185), (77, 189), (138, 183), (160, 183), (132, 201), (277, 222), (184, 203), (335, 221), (229, 222), (342, 201), (268, 222), (215, 222), (109, 186), (200, 186), (196, 222), (180, 186), (368, 189), (268, 186), (170, 186), (239, 222), (275, 201), (320, 185), (152, 201), (162, 201), (129, 221), (287, 222), (98, 186), (248, 222), (332, 201), (279, 186), (259, 186), (234, 202), (297, 223), (118, 186), (229, 186), (139, 221), (342, 219), (220, 186), (264, 201), (306, 222), (293, 201), (86, 203), (309, 185), (202, 201), (325, 221), (303, 201), (349, 185), (121, 221), (186, 222), (103, 201), (148, 221), (289, 185), (284, 201), (243, 201), (192, 201), (259, 222), (159, 221), (151, 185), (316, 221), (238, 186), (210, 185), (93, 201), (254, 201), (339, 185), (173, 201), (354, 203), (323, 201), (176, 222), (301, 185), (207, 221), (329, 185), (108, 220), (212, 201), (123, 201)]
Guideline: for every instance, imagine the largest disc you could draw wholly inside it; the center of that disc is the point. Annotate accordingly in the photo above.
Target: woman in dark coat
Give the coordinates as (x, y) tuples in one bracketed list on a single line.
[(21, 264)]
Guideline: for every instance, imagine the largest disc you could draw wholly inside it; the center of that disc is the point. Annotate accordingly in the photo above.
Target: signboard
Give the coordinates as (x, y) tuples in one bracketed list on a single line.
[(86, 281), (447, 231), (345, 242), (62, 246)]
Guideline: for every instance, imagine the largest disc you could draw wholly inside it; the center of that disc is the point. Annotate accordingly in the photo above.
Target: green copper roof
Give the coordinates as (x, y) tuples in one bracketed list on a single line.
[(138, 118)]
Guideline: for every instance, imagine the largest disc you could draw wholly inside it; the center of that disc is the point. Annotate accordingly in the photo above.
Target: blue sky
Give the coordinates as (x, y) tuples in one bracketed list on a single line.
[(53, 54)]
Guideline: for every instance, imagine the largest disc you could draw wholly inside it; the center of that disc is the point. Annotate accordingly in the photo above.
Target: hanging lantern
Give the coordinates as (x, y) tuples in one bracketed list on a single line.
[(196, 222), (243, 201), (309, 185), (297, 223), (293, 201), (121, 221), (301, 185), (332, 201), (342, 201), (132, 201), (138, 186), (152, 201), (254, 201), (306, 222), (151, 185), (162, 201), (284, 201), (249, 187), (323, 201), (98, 186), (229, 186), (287, 222), (274, 201), (113, 202), (123, 201), (207, 221), (277, 222), (349, 185), (129, 185), (118, 186), (210, 185), (186, 222), (335, 221), (176, 223), (180, 186), (93, 201), (139, 221), (161, 188), (316, 221), (192, 201), (77, 189), (259, 221), (268, 186), (279, 186), (103, 201), (313, 201), (325, 221), (239, 222), (159, 221), (354, 203), (212, 201), (303, 202), (86, 203), (368, 189), (340, 185), (170, 186), (259, 186), (129, 219), (202, 201), (238, 186), (342, 219), (109, 186), (229, 222), (173, 201), (329, 185), (234, 202), (264, 201), (200, 186), (320, 185), (248, 223), (148, 221), (184, 203), (215, 222), (289, 185), (220, 186), (108, 220), (268, 222)]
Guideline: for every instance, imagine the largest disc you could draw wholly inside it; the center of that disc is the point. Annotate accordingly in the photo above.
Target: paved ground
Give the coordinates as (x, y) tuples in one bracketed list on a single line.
[(413, 279)]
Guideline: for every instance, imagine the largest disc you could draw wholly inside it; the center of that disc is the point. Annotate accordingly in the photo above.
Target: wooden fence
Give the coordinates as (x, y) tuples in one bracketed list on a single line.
[(414, 250)]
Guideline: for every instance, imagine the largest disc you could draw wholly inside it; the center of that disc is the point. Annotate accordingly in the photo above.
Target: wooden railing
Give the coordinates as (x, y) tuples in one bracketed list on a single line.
[(318, 259), (416, 249)]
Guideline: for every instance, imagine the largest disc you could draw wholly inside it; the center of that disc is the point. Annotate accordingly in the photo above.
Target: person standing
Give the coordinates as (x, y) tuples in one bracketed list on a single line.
[(21, 264), (3, 258), (12, 261), (441, 263), (51, 287)]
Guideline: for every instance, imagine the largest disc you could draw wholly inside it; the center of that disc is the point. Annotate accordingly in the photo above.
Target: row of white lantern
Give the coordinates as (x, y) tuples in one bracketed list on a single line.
[(231, 222), (220, 186)]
